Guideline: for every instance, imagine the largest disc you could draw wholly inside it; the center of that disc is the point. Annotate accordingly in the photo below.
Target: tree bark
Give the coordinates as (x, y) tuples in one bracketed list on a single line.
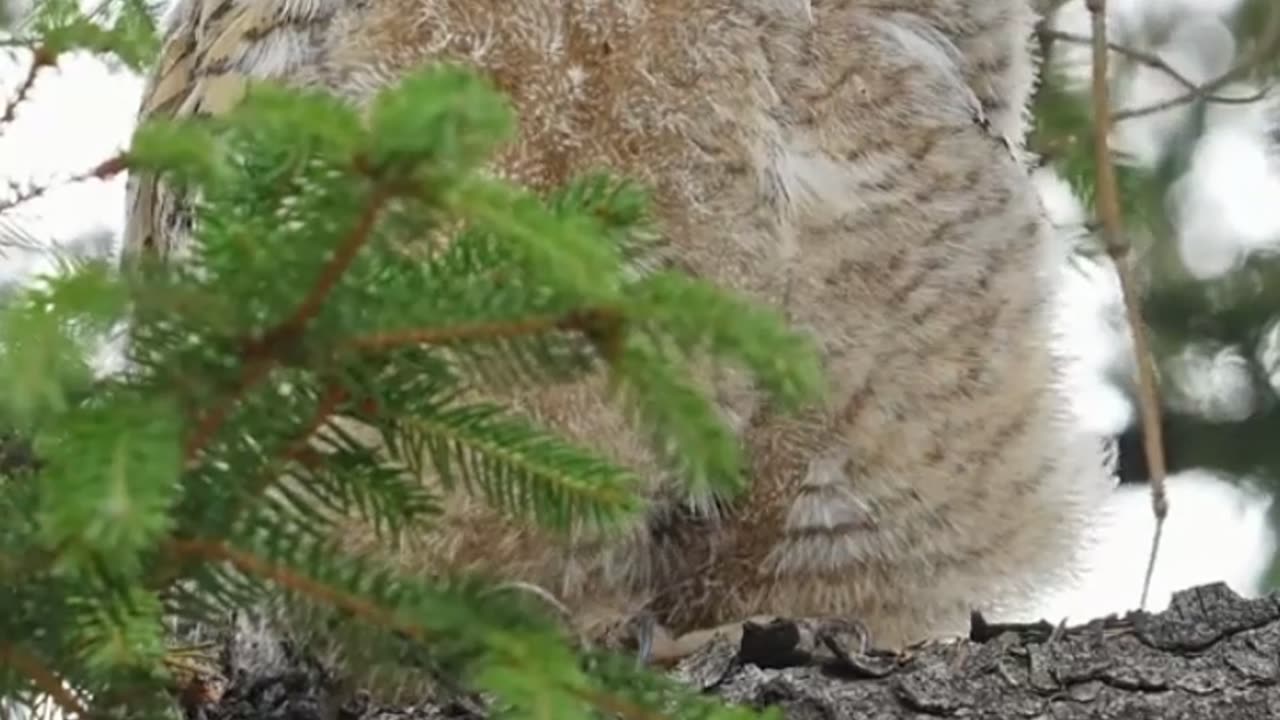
[(1211, 655)]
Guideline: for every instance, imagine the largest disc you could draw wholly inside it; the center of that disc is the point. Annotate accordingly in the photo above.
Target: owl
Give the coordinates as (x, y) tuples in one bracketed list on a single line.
[(858, 165)]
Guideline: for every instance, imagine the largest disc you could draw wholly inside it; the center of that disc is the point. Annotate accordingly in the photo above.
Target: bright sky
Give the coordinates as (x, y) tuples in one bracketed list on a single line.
[(1225, 207), (82, 113)]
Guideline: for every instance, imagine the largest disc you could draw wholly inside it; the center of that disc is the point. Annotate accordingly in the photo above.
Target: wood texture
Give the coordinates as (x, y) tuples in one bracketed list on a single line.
[(1211, 655)]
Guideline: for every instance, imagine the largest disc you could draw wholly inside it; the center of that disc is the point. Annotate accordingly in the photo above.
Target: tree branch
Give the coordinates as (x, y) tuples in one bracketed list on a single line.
[(260, 353), (254, 371), (1267, 47), (42, 57), (43, 679), (587, 321), (297, 450), (1108, 203), (345, 254), (1155, 62), (104, 170)]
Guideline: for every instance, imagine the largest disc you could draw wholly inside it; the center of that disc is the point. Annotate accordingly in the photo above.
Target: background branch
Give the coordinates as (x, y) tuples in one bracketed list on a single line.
[(41, 57), (1196, 90), (1266, 49), (1118, 248)]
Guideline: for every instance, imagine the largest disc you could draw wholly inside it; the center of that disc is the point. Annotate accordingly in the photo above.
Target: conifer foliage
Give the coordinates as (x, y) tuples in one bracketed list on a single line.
[(344, 265)]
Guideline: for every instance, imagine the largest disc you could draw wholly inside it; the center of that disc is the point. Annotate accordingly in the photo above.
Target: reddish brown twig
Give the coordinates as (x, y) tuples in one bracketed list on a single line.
[(587, 321), (260, 354), (343, 256), (41, 57), (1108, 201), (254, 371), (102, 171), (333, 397), (43, 678), (1265, 50), (1155, 62), (299, 448)]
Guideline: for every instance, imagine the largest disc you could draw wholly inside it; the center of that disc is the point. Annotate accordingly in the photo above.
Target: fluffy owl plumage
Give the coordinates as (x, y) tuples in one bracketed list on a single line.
[(856, 163)]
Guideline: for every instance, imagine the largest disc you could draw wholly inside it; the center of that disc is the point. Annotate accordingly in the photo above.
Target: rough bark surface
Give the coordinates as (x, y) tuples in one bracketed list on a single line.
[(1211, 656)]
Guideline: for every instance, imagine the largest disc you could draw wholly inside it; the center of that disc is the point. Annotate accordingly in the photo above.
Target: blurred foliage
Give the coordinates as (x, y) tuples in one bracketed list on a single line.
[(1235, 309), (215, 472)]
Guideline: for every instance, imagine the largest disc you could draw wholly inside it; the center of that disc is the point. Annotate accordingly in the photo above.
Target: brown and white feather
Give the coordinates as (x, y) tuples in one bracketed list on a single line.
[(856, 163)]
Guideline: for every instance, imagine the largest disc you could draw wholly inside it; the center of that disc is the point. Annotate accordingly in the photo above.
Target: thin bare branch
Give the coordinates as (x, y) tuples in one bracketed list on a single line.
[(41, 57), (102, 171), (1266, 49), (1108, 203), (1155, 62)]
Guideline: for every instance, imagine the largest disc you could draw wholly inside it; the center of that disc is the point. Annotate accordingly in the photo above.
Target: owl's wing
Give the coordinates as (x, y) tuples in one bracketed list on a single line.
[(211, 49), (165, 88)]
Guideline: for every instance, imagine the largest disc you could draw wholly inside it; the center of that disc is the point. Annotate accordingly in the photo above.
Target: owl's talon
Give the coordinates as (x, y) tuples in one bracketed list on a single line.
[(849, 643), (841, 642), (834, 636), (644, 627)]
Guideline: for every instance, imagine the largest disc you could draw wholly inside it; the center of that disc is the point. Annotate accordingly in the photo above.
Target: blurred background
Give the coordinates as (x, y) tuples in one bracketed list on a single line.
[(1198, 142)]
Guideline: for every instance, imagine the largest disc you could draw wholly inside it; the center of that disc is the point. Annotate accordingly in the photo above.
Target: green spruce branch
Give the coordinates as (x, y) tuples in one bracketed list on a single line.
[(344, 268)]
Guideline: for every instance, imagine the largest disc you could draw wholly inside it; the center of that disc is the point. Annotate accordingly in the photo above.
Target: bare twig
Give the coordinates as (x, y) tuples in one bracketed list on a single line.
[(1266, 48), (104, 170), (1155, 62), (1108, 202), (41, 57)]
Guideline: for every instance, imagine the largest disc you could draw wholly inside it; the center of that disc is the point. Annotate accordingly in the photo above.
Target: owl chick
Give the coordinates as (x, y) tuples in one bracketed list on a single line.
[(856, 164)]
